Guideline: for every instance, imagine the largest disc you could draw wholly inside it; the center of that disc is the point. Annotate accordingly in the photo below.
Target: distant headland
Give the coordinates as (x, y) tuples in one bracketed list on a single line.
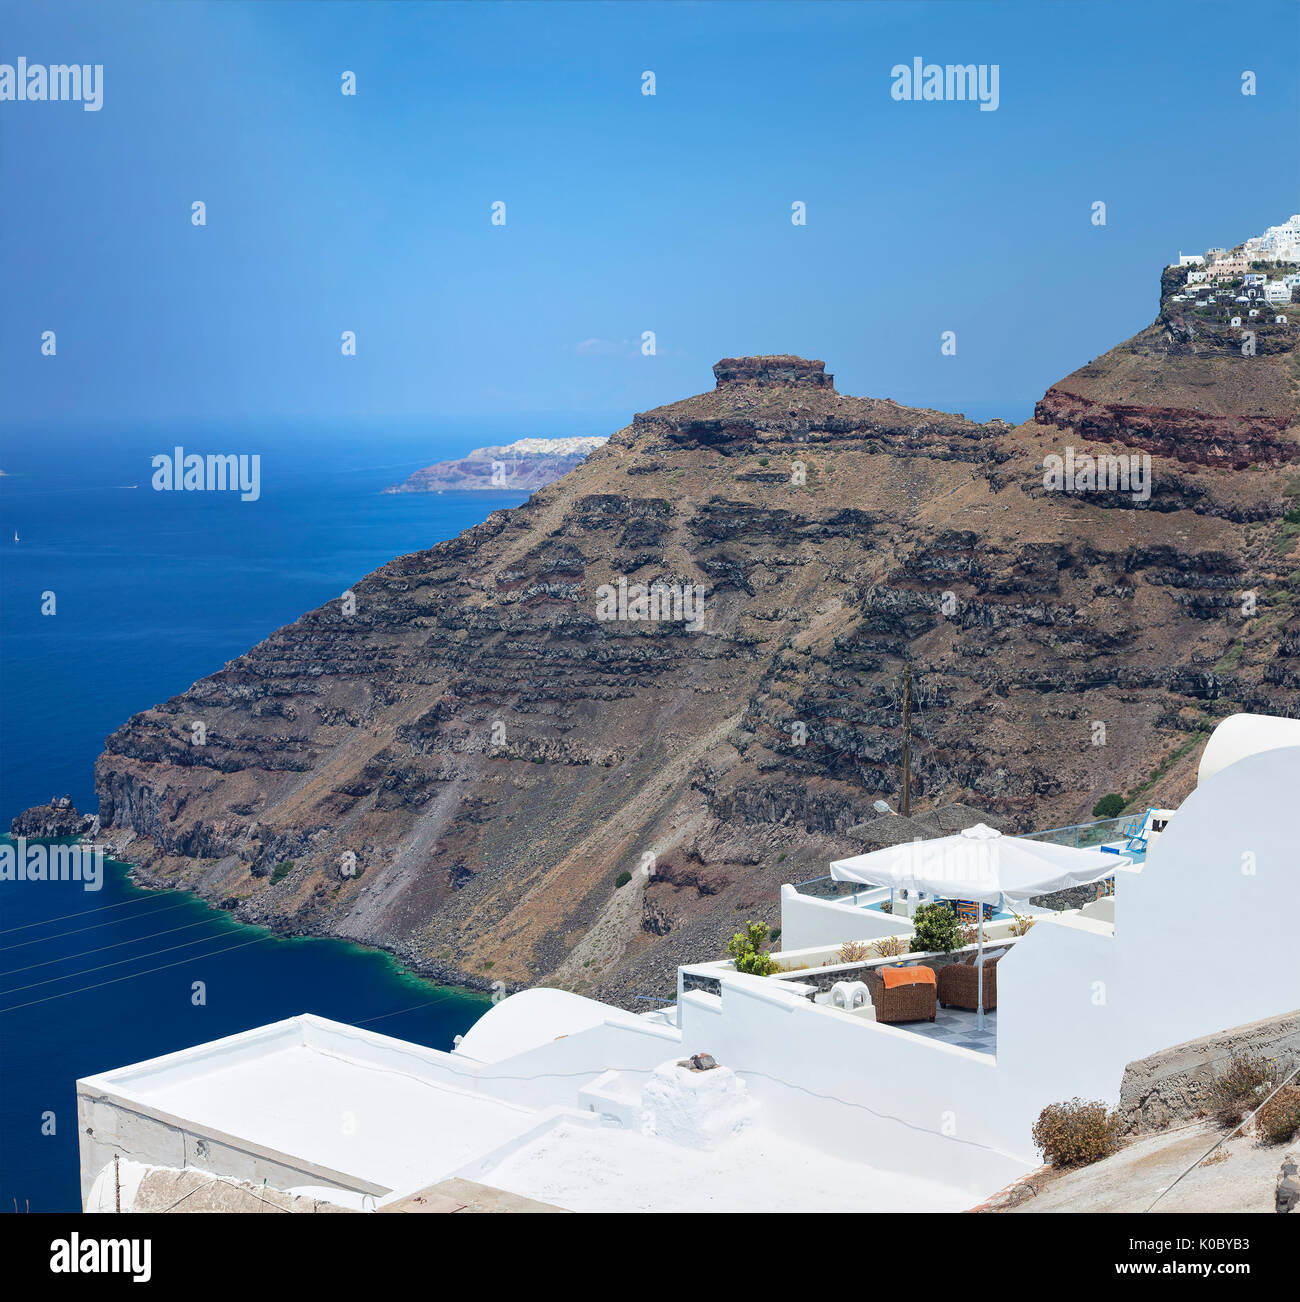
[(521, 466)]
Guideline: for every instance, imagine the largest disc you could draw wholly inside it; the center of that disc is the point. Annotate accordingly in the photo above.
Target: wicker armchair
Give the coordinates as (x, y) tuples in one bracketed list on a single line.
[(914, 1003), (959, 985)]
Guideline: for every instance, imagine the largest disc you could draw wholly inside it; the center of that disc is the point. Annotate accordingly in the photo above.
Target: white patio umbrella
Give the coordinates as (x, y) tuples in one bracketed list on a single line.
[(980, 864)]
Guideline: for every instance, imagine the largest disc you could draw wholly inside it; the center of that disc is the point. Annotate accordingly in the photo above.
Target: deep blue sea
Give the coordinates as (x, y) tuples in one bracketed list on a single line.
[(151, 591)]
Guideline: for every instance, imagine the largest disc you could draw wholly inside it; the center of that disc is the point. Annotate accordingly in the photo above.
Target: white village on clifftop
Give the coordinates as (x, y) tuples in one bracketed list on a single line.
[(847, 1071), (1239, 281)]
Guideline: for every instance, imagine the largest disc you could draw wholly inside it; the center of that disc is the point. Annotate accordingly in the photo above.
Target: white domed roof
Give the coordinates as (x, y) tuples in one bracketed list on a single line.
[(532, 1017), (1240, 735)]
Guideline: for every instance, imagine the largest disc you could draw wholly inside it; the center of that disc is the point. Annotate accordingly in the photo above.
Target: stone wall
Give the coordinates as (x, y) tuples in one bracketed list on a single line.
[(710, 985), (1172, 1086), (1073, 897)]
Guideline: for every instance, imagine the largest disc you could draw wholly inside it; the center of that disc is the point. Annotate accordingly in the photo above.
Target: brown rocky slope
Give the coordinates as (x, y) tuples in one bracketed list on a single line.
[(495, 755)]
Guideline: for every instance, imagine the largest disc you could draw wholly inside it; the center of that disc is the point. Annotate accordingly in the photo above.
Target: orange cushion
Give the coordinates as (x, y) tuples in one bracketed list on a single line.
[(907, 976)]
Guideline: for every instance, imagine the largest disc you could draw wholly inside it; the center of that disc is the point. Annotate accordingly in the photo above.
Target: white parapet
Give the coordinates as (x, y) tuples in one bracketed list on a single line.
[(807, 922)]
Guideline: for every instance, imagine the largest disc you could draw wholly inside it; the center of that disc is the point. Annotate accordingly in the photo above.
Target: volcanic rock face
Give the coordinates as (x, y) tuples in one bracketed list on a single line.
[(783, 370), (462, 767), (1176, 432), (54, 821), (1190, 387)]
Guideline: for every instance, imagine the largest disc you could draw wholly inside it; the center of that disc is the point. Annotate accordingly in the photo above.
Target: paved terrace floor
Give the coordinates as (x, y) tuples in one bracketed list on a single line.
[(959, 1027)]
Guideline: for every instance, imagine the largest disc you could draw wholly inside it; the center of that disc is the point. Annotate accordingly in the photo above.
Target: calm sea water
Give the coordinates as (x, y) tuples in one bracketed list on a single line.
[(151, 591)]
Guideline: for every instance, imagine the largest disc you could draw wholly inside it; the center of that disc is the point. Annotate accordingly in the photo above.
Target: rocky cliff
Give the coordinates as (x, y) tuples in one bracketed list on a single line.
[(521, 466), (53, 821), (465, 766), (1192, 387)]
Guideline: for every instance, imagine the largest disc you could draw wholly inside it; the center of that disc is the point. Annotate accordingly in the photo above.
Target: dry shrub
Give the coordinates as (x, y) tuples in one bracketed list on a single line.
[(890, 947), (1076, 1133), (1238, 1089), (1279, 1119), (855, 951)]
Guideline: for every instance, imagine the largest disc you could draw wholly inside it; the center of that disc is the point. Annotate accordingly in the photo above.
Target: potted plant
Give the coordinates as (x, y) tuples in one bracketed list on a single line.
[(746, 955), (937, 930)]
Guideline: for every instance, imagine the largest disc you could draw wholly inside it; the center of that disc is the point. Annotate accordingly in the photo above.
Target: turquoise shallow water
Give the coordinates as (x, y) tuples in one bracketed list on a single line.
[(152, 591)]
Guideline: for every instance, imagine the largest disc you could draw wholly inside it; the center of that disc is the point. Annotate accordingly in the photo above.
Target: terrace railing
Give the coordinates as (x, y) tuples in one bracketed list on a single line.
[(827, 888), (1085, 835)]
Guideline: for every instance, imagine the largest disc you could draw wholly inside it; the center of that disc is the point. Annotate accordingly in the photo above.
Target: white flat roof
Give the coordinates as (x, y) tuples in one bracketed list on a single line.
[(606, 1169), (327, 1094)]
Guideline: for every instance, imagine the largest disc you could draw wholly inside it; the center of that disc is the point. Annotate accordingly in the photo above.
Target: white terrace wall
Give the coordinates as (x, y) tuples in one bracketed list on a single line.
[(1205, 939), (807, 922), (1051, 1042), (882, 1095), (553, 1073)]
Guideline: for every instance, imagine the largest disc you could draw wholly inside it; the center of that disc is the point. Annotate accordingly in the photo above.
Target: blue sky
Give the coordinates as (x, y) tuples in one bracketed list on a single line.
[(625, 212)]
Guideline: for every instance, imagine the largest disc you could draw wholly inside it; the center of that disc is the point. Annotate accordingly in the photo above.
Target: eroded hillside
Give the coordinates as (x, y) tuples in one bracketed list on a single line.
[(494, 754)]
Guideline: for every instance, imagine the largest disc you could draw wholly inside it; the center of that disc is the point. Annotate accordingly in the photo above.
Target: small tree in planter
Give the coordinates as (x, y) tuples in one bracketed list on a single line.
[(746, 955), (937, 930)]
